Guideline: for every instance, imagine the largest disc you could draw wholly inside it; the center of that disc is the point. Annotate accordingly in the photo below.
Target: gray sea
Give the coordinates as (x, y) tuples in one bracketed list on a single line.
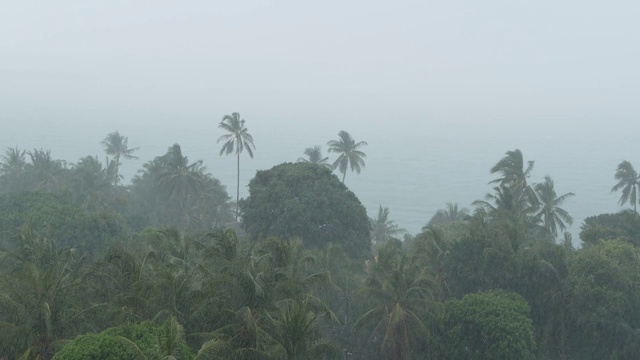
[(412, 167)]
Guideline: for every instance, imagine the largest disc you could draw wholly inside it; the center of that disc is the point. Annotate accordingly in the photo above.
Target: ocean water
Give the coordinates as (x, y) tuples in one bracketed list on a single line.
[(412, 167)]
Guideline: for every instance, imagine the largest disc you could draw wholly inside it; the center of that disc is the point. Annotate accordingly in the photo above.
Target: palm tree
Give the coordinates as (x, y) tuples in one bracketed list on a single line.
[(298, 325), (92, 183), (508, 200), (510, 207), (383, 229), (628, 181), (514, 174), (44, 172), (125, 281), (349, 156), (236, 141), (512, 169), (451, 214), (314, 156), (399, 294), (41, 294), (550, 213), (181, 180), (12, 168), (118, 146)]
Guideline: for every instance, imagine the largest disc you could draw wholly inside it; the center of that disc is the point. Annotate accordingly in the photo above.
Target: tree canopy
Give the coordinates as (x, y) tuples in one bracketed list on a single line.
[(307, 201), (488, 325)]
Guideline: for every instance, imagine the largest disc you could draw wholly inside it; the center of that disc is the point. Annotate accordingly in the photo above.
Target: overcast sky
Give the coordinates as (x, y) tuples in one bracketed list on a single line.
[(448, 60)]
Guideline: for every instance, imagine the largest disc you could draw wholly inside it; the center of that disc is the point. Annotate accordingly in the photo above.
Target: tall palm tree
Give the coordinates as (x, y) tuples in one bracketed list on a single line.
[(314, 156), (550, 213), (383, 229), (237, 139), (349, 156), (118, 146), (629, 182)]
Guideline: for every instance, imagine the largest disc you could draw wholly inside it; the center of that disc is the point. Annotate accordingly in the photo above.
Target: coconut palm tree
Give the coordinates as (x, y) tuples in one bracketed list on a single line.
[(512, 201), (510, 213), (550, 213), (45, 173), (629, 182), (297, 327), (125, 281), (118, 146), (383, 229), (314, 156), (350, 156), (92, 183), (511, 167), (41, 296), (237, 139), (399, 295), (12, 168), (451, 214), (182, 181)]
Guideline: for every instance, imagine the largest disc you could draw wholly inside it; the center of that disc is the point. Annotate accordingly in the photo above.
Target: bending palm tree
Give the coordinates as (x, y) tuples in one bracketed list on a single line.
[(553, 216), (512, 169), (118, 146), (236, 141), (628, 181), (314, 156), (350, 156), (383, 229), (514, 174)]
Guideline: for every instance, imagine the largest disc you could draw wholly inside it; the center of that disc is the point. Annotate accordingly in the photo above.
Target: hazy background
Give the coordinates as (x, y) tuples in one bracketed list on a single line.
[(439, 89)]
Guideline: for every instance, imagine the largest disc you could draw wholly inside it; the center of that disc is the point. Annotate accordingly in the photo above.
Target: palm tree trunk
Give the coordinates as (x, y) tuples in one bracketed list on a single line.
[(117, 158), (238, 187), (344, 174)]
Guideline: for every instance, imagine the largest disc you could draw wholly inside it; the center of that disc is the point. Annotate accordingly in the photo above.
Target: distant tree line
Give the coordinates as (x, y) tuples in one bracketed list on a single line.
[(91, 268)]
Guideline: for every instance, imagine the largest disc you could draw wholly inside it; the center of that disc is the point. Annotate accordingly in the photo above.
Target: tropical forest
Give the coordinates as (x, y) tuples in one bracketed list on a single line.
[(173, 264)]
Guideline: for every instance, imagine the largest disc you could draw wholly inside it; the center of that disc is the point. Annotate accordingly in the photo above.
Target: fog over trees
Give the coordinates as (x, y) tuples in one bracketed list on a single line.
[(490, 208), (93, 266)]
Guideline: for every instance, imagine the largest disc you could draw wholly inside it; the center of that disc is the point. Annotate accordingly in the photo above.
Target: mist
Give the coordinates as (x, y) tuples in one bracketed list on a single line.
[(440, 92)]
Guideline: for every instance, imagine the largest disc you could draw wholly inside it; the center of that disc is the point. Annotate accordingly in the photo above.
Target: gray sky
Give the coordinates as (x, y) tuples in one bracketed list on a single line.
[(461, 81), (363, 60)]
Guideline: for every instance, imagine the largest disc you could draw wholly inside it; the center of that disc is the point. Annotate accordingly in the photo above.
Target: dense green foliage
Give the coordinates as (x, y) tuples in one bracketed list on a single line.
[(100, 347), (487, 325), (93, 269), (60, 219), (127, 342), (305, 200), (623, 225), (605, 298)]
